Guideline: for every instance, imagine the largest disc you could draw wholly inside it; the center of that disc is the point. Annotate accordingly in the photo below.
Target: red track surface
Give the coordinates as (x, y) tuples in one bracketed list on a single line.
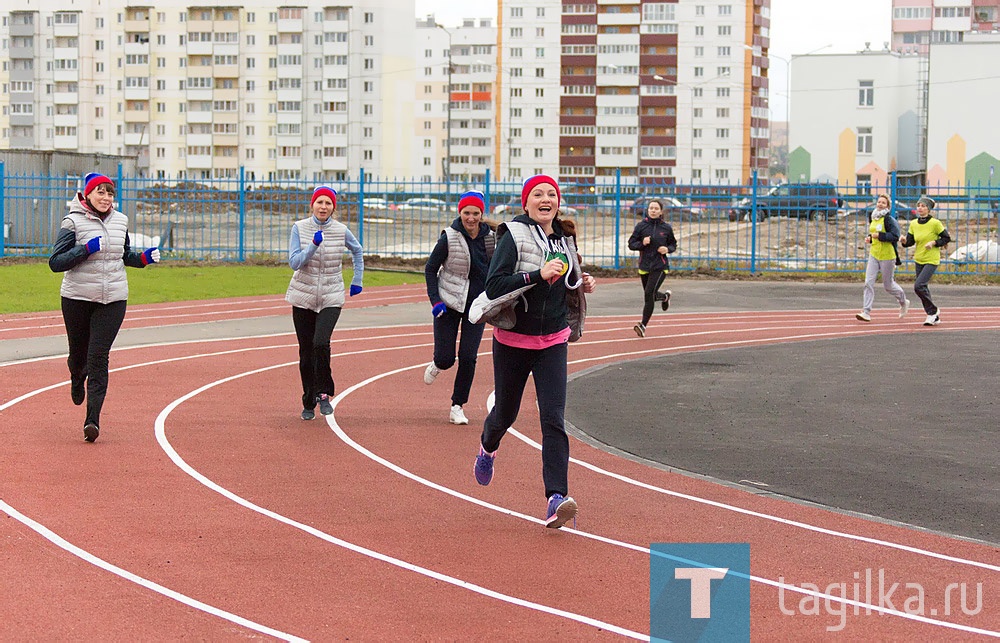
[(208, 510)]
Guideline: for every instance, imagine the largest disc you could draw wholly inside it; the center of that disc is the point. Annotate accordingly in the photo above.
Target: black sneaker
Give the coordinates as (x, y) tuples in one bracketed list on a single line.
[(90, 432), (77, 390), (640, 329), (665, 304), (308, 414), (324, 404)]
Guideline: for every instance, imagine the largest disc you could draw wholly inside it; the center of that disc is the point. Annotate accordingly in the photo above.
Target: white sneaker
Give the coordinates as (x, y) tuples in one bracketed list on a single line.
[(904, 308), (863, 316), (431, 373), (933, 320), (457, 416)]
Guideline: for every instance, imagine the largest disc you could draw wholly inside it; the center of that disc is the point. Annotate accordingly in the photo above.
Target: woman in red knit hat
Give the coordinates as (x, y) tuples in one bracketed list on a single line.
[(92, 249), (455, 274), (316, 292), (535, 249)]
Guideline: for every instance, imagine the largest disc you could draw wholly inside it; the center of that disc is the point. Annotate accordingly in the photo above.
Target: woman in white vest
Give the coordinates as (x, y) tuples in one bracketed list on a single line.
[(455, 274), (92, 249), (537, 250), (316, 292)]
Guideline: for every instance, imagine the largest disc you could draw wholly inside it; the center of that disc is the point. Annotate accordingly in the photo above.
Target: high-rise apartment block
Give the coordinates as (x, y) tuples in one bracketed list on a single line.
[(312, 91), (655, 92)]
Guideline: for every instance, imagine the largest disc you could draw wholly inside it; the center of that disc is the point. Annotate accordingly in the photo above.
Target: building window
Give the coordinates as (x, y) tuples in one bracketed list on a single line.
[(866, 93), (864, 140)]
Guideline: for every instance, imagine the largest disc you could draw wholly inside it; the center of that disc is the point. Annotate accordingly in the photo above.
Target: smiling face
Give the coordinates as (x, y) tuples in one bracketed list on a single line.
[(322, 208), (542, 205), (882, 203), (471, 218), (102, 198)]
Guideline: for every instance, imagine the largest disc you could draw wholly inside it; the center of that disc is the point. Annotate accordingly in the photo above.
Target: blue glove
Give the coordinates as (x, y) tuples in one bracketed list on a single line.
[(150, 255), (94, 245), (355, 290), (439, 309), (318, 237)]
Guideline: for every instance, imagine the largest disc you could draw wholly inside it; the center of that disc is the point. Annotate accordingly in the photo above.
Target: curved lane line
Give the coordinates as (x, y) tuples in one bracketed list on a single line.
[(331, 420), (184, 466), (86, 556), (344, 437)]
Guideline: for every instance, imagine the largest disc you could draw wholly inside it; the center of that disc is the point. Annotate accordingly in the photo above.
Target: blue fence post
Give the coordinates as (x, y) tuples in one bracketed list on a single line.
[(3, 200), (361, 207), (120, 184), (243, 214), (893, 190), (486, 191), (753, 222), (618, 217)]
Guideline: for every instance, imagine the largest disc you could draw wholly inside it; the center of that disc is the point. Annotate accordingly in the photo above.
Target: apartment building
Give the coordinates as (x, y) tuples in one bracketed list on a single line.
[(658, 91), (916, 24), (663, 92), (310, 91), (456, 96)]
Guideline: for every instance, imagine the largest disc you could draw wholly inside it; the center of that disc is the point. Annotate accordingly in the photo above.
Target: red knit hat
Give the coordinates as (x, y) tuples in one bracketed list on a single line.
[(324, 190), (532, 181), (472, 197), (92, 180)]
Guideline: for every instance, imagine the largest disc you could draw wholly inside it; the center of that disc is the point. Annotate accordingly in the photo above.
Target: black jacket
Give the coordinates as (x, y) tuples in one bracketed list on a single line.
[(660, 234), (543, 309)]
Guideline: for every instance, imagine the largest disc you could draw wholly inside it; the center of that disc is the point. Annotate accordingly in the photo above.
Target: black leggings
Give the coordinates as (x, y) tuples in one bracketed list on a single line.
[(651, 282), (313, 331), (91, 329), (445, 334), (511, 367)]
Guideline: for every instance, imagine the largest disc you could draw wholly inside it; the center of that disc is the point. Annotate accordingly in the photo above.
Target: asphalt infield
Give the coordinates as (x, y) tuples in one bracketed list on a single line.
[(899, 427)]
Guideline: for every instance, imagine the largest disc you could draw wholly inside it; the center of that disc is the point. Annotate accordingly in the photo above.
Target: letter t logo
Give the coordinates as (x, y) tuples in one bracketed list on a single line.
[(701, 587)]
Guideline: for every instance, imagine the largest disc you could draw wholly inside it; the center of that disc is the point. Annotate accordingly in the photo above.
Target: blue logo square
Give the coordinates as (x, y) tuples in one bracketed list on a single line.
[(699, 592)]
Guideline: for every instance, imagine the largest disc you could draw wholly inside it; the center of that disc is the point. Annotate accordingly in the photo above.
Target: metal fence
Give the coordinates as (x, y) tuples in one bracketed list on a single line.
[(751, 227)]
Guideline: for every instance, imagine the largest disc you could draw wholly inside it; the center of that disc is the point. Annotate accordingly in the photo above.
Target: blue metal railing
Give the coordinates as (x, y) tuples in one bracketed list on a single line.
[(747, 227)]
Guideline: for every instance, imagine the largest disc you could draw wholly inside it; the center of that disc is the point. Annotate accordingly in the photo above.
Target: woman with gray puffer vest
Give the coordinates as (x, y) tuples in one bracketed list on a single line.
[(316, 248), (455, 274), (92, 249)]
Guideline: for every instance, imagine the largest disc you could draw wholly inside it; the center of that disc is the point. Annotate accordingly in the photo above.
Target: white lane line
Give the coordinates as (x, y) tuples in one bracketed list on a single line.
[(86, 556), (792, 588), (402, 564), (331, 420)]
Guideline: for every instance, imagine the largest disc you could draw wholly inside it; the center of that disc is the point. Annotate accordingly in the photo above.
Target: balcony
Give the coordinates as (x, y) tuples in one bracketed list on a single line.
[(199, 117), (136, 93), (199, 162)]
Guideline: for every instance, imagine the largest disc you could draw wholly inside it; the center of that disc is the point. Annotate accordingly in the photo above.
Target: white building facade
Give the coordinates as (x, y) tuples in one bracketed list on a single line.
[(309, 92)]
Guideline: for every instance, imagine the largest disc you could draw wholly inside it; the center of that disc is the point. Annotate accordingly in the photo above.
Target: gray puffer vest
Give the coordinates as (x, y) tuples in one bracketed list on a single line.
[(101, 277), (453, 276), (319, 283)]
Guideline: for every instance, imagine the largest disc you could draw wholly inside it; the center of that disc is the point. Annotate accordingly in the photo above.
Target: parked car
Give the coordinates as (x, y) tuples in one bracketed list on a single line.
[(903, 212), (422, 204), (672, 207), (376, 203), (797, 200)]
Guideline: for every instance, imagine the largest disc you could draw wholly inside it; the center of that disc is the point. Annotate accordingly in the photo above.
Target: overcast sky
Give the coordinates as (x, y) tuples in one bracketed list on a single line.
[(797, 27)]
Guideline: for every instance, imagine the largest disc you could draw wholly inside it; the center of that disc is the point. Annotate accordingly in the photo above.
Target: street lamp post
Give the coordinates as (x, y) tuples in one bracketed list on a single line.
[(446, 165)]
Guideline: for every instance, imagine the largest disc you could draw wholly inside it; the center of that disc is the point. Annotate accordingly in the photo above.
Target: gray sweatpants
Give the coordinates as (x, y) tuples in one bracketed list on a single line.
[(887, 267)]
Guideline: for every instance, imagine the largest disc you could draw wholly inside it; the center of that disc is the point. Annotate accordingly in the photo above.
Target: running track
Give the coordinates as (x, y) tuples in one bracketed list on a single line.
[(208, 510)]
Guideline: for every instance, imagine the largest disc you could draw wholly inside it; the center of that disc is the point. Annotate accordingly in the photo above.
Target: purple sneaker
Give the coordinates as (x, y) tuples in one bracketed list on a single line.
[(484, 466), (560, 511)]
